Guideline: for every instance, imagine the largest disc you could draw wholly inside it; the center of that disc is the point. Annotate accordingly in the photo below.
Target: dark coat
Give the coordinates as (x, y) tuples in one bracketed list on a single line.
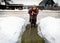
[(33, 18), (30, 12)]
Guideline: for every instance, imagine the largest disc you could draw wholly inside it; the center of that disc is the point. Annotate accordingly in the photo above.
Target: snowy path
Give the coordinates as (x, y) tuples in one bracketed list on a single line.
[(30, 35), (16, 22)]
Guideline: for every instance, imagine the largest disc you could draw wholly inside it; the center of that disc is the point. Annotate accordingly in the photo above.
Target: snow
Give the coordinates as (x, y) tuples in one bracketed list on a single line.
[(7, 34), (49, 28), (10, 29), (57, 1), (27, 2)]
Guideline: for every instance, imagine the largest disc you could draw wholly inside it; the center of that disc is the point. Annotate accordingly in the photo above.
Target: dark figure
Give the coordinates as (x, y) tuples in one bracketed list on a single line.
[(33, 12), (49, 3)]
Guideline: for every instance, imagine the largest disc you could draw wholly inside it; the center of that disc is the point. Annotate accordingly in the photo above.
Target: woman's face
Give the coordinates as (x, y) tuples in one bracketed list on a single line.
[(34, 8)]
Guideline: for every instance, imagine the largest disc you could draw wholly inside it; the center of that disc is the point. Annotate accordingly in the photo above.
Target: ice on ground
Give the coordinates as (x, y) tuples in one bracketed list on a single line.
[(10, 29), (49, 28)]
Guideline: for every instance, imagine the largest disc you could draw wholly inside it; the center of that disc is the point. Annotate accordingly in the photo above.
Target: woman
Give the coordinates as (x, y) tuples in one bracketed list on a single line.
[(33, 12)]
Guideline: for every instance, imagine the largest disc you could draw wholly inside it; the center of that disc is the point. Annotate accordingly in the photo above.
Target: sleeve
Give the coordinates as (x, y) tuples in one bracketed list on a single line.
[(37, 10), (29, 11)]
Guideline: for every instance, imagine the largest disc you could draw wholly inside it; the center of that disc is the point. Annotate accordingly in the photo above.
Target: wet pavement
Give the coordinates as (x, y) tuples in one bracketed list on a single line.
[(31, 35)]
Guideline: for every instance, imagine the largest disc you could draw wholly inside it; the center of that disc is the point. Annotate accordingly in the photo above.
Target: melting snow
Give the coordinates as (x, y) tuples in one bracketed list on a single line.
[(49, 28), (10, 29)]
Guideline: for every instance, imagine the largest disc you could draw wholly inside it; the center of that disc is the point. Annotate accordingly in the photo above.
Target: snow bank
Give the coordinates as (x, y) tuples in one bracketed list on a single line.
[(11, 29), (49, 28)]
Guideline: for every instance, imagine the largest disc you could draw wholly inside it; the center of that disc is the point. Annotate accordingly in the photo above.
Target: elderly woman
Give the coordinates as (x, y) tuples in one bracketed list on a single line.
[(33, 12)]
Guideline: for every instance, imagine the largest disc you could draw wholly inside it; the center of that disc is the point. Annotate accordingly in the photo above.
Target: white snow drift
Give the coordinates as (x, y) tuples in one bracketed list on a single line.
[(10, 29), (49, 28)]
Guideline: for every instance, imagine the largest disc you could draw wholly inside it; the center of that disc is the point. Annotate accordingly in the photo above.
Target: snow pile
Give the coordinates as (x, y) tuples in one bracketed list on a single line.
[(49, 28), (10, 29)]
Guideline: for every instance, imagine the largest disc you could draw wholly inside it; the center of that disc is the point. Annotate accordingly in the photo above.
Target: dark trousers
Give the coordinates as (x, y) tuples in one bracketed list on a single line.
[(33, 19)]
